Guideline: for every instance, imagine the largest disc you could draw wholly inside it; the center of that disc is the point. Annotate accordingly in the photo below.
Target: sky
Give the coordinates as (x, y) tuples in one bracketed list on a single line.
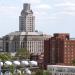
[(51, 16)]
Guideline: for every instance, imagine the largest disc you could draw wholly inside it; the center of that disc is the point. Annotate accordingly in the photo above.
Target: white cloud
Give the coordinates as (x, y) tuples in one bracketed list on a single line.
[(42, 10), (52, 17), (70, 9), (64, 13), (32, 1), (64, 4), (72, 1), (70, 13), (44, 7), (8, 10), (67, 8)]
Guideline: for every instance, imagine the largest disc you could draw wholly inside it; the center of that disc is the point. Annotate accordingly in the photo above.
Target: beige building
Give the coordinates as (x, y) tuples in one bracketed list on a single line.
[(32, 41), (27, 20), (1, 44), (26, 37)]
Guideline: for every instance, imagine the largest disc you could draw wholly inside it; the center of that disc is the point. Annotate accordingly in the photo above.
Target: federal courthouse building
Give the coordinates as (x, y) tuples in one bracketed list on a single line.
[(26, 37)]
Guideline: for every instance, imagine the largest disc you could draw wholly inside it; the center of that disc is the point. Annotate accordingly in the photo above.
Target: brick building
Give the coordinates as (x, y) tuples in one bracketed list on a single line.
[(59, 49)]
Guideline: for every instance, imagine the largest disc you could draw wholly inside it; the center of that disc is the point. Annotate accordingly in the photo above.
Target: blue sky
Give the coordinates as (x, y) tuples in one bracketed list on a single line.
[(52, 16)]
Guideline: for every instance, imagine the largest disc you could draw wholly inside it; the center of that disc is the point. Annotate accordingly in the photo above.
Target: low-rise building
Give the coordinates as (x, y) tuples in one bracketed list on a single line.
[(61, 70)]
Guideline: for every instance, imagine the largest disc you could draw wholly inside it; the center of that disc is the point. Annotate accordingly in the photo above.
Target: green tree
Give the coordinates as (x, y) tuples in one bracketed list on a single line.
[(73, 62), (39, 72), (42, 72), (5, 56), (46, 72), (22, 54)]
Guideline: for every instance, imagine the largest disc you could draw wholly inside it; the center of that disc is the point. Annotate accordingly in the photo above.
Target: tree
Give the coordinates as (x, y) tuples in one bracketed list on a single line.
[(73, 62), (46, 72), (42, 72), (5, 56), (22, 54), (39, 72)]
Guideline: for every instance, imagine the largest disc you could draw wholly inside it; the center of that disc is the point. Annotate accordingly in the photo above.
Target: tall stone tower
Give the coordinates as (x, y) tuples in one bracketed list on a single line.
[(26, 20)]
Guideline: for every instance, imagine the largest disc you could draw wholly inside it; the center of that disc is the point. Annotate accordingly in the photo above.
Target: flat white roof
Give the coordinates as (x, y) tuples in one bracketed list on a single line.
[(25, 33), (60, 66)]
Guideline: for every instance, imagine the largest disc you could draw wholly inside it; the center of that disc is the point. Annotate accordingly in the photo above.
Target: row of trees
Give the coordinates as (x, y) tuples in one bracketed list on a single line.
[(42, 72), (20, 54)]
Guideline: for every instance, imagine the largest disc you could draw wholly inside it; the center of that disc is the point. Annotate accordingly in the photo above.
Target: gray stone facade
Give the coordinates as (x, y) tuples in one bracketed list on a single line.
[(32, 41), (27, 20), (26, 37), (1, 44)]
